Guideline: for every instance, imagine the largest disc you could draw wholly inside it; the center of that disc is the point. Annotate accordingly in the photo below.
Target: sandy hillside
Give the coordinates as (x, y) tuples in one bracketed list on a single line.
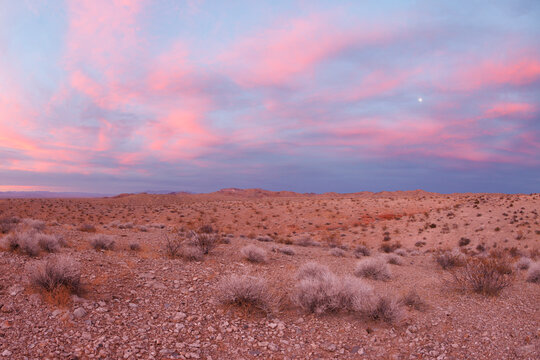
[(150, 291)]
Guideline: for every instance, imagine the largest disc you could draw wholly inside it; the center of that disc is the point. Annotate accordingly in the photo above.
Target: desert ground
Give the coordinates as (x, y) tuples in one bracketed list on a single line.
[(391, 275)]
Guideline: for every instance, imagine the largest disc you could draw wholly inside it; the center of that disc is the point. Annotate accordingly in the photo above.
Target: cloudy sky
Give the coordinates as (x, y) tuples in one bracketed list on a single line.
[(311, 96)]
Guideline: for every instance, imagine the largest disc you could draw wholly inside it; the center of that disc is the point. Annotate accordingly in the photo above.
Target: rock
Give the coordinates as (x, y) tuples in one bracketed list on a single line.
[(79, 313), (6, 353), (179, 316)]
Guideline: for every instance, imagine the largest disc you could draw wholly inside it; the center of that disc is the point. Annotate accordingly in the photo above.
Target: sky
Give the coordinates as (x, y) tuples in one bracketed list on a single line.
[(122, 96)]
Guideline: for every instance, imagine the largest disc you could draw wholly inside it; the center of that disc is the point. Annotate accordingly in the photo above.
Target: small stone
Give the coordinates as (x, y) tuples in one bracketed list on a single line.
[(79, 313), (6, 353)]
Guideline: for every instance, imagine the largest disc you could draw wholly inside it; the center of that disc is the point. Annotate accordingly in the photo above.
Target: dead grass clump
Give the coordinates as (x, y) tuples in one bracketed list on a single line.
[(388, 248), (134, 246), (172, 245), (204, 241), (48, 243), (387, 309), (56, 272), (321, 291), (102, 242), (37, 225), (401, 252), (8, 223), (87, 228), (246, 291), (523, 263), (306, 241), (192, 253), (450, 259), (413, 300), (206, 229), (464, 241), (393, 259), (312, 270), (24, 242), (264, 238), (373, 268), (254, 254), (483, 276), (533, 275), (361, 250), (337, 252), (286, 251)]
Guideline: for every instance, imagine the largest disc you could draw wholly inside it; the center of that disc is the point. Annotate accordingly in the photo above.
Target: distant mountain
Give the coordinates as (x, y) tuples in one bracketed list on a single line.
[(47, 194)]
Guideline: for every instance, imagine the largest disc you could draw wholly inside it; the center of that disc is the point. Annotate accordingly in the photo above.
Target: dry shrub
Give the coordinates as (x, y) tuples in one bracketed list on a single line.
[(37, 225), (361, 250), (102, 242), (204, 241), (306, 241), (393, 259), (192, 253), (246, 291), (286, 251), (8, 223), (483, 276), (450, 259), (373, 268), (254, 254), (56, 272), (173, 245), (533, 275), (48, 243), (206, 229), (413, 300), (134, 246), (387, 309), (523, 263), (87, 228), (401, 252), (319, 291), (24, 242), (264, 238), (388, 248), (337, 252), (464, 241)]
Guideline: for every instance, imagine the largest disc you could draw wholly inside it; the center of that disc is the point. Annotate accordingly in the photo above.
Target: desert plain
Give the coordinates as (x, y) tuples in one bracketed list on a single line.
[(224, 276)]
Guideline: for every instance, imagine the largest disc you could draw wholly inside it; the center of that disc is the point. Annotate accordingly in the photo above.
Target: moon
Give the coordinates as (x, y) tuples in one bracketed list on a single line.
[(420, 99)]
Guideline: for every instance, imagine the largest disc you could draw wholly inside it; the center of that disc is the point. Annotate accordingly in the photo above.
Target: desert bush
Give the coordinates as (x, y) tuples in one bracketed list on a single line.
[(413, 300), (326, 293), (192, 253), (204, 241), (393, 259), (246, 291), (24, 242), (373, 268), (533, 275), (361, 250), (55, 272), (102, 242), (482, 275), (312, 270), (464, 241), (401, 252), (264, 238), (387, 309), (7, 224), (254, 254), (286, 251), (87, 228), (337, 252), (48, 243), (306, 241), (449, 259), (134, 246), (523, 263), (206, 229), (37, 225), (173, 245), (388, 248)]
